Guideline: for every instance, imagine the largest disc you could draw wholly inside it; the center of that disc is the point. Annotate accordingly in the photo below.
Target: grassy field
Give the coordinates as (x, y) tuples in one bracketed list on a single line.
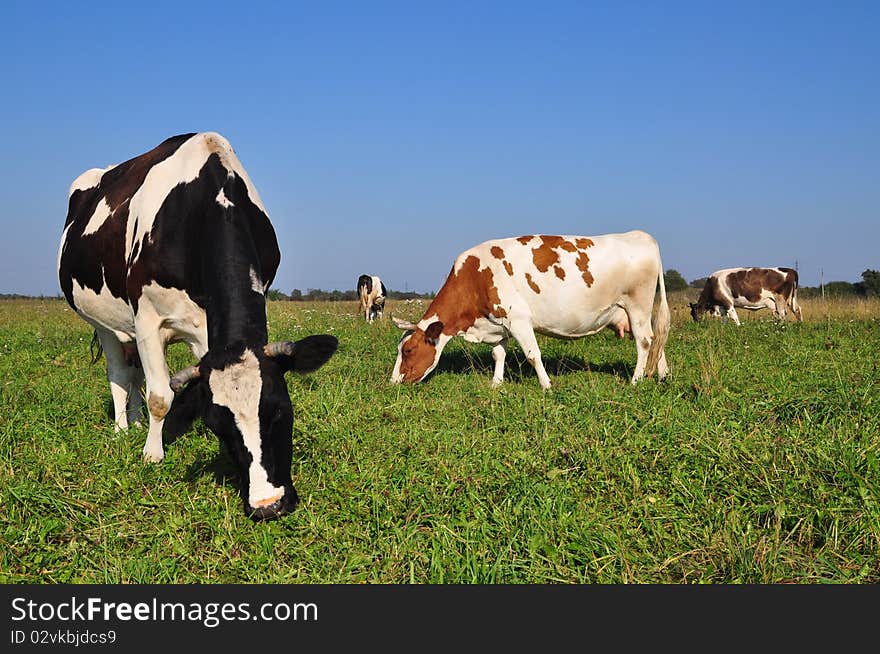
[(755, 462)]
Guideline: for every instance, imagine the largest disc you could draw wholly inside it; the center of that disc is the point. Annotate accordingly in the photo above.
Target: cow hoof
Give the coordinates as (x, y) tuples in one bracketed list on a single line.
[(153, 457), (496, 383)]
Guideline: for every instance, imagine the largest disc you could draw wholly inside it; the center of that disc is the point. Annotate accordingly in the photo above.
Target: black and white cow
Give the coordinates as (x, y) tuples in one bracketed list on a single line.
[(176, 245), (371, 293), (748, 288)]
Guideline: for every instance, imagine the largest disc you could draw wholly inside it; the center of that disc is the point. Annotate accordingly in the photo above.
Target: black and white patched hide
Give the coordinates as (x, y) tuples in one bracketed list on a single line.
[(176, 245), (241, 395), (371, 294)]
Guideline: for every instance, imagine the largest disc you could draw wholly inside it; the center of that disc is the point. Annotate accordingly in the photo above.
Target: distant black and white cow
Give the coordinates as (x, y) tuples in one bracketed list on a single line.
[(748, 288), (562, 286), (371, 292), (175, 245)]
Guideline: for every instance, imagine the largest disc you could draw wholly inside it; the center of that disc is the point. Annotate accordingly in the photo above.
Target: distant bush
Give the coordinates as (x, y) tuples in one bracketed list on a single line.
[(870, 284), (19, 296), (673, 280), (868, 287), (410, 295), (840, 289), (320, 295), (275, 294)]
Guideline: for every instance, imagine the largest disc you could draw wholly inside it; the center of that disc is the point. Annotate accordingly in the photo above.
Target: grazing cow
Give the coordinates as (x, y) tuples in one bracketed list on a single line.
[(748, 288), (175, 245), (372, 293), (562, 286)]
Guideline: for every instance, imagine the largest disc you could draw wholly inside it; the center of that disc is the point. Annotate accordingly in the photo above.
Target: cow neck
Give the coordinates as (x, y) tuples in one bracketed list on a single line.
[(235, 309), (451, 309), (468, 294)]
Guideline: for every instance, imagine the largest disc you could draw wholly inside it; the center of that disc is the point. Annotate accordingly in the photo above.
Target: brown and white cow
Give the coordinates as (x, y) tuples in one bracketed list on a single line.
[(561, 286), (371, 293), (748, 288)]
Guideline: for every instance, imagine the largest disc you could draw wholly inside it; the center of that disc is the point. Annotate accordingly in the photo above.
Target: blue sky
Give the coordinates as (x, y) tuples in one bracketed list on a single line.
[(387, 137)]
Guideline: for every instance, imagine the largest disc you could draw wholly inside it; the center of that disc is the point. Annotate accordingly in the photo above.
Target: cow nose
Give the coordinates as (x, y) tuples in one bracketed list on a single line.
[(268, 512), (276, 509)]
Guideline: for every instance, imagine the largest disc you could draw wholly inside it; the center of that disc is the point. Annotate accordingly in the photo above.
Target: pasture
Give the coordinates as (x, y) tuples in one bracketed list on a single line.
[(757, 461)]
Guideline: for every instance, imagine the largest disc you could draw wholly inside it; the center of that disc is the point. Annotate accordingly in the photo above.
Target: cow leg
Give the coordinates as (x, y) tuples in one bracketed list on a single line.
[(151, 349), (796, 308), (119, 374), (522, 331), (640, 325), (499, 352), (778, 306), (731, 311), (135, 398), (199, 347), (136, 402)]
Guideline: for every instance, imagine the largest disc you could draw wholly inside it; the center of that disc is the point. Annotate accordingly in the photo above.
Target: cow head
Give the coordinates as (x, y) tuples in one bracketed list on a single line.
[(241, 395), (697, 311), (418, 351)]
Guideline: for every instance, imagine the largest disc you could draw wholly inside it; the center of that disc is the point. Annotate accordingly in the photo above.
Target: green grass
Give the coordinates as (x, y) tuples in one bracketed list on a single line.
[(756, 462)]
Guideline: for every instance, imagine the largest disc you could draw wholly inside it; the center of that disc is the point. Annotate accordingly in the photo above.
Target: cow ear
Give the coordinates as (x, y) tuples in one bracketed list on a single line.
[(307, 354), (188, 404), (433, 331)]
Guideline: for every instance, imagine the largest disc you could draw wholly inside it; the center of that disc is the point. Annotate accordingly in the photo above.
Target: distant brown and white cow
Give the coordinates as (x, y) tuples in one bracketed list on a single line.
[(561, 286), (371, 293), (748, 288)]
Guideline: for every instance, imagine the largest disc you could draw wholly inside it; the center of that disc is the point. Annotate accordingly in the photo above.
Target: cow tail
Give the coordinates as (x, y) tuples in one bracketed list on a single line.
[(794, 302), (660, 325), (95, 347)]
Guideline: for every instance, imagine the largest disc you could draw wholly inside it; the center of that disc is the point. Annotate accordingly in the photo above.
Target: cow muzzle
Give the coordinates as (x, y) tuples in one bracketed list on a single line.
[(275, 510)]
